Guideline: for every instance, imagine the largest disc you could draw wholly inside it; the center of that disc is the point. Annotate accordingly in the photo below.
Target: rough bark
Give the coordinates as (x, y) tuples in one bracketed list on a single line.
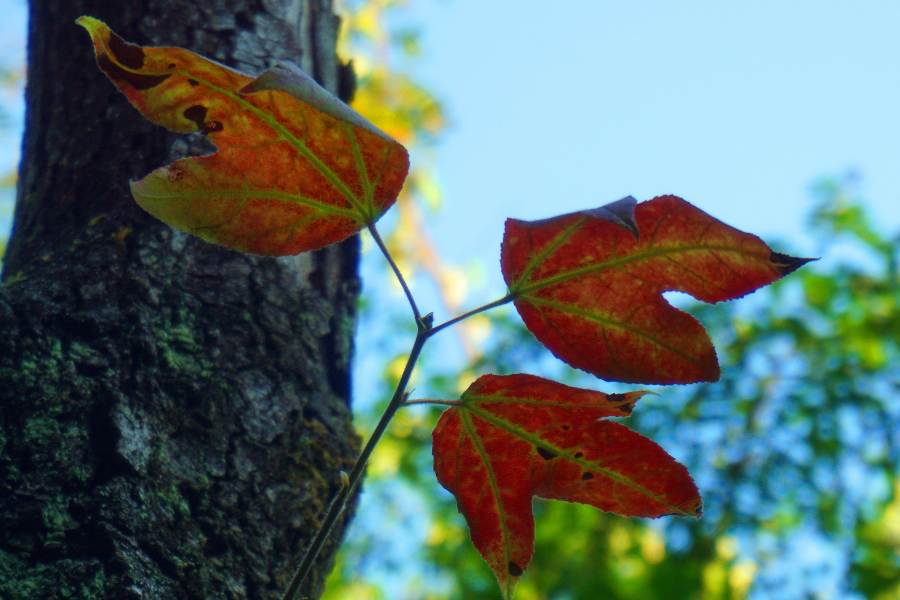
[(173, 415)]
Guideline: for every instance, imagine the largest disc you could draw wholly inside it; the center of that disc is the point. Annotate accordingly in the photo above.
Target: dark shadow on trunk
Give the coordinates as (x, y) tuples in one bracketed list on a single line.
[(173, 415)]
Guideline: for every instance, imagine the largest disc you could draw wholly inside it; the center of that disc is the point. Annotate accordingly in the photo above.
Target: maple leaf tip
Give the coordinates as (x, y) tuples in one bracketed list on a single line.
[(785, 265), (91, 25), (621, 213), (641, 394)]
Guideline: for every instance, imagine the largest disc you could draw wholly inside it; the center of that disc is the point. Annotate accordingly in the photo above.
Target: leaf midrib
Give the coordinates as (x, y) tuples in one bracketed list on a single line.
[(617, 263), (476, 441), (368, 188), (536, 441), (325, 208), (285, 134), (611, 323), (530, 402)]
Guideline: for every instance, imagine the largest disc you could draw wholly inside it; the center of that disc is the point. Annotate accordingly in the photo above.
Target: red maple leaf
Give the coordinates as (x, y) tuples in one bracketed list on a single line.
[(296, 170), (517, 436), (589, 285)]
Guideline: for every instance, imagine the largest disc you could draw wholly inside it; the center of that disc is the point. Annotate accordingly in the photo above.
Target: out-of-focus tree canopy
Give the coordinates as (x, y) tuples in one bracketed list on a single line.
[(10, 81), (12, 77), (796, 449)]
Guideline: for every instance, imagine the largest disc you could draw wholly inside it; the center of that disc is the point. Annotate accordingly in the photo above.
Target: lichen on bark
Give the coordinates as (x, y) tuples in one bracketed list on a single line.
[(173, 415)]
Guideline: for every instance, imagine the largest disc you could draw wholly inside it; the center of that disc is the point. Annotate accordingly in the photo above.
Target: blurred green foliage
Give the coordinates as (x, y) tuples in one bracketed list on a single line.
[(11, 79), (796, 449)]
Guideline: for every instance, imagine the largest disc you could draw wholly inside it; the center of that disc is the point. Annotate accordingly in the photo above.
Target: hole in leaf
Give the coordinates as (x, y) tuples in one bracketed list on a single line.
[(515, 570), (135, 80), (578, 455), (130, 55), (546, 454), (616, 397), (587, 476), (565, 427), (193, 82), (196, 114)]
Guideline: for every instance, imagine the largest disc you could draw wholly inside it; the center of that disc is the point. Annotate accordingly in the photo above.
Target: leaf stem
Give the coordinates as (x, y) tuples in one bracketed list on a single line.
[(334, 510), (504, 300), (337, 505), (430, 401), (424, 331), (371, 227)]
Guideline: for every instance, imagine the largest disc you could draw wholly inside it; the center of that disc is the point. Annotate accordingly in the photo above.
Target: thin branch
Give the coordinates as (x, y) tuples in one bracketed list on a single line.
[(334, 511), (390, 259), (429, 401), (504, 300), (350, 483)]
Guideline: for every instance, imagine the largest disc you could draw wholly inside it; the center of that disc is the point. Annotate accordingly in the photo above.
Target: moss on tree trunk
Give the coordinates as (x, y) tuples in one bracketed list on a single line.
[(173, 415)]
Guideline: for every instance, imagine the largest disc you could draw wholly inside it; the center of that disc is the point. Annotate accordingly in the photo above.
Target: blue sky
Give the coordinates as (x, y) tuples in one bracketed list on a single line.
[(735, 106), (12, 56), (738, 107)]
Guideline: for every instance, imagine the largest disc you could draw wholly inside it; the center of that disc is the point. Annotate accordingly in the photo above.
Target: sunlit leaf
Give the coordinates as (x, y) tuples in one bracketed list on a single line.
[(589, 285), (518, 436), (296, 168)]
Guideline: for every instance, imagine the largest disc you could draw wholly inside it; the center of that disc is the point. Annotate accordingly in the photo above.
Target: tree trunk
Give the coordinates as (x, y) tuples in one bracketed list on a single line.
[(173, 415)]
